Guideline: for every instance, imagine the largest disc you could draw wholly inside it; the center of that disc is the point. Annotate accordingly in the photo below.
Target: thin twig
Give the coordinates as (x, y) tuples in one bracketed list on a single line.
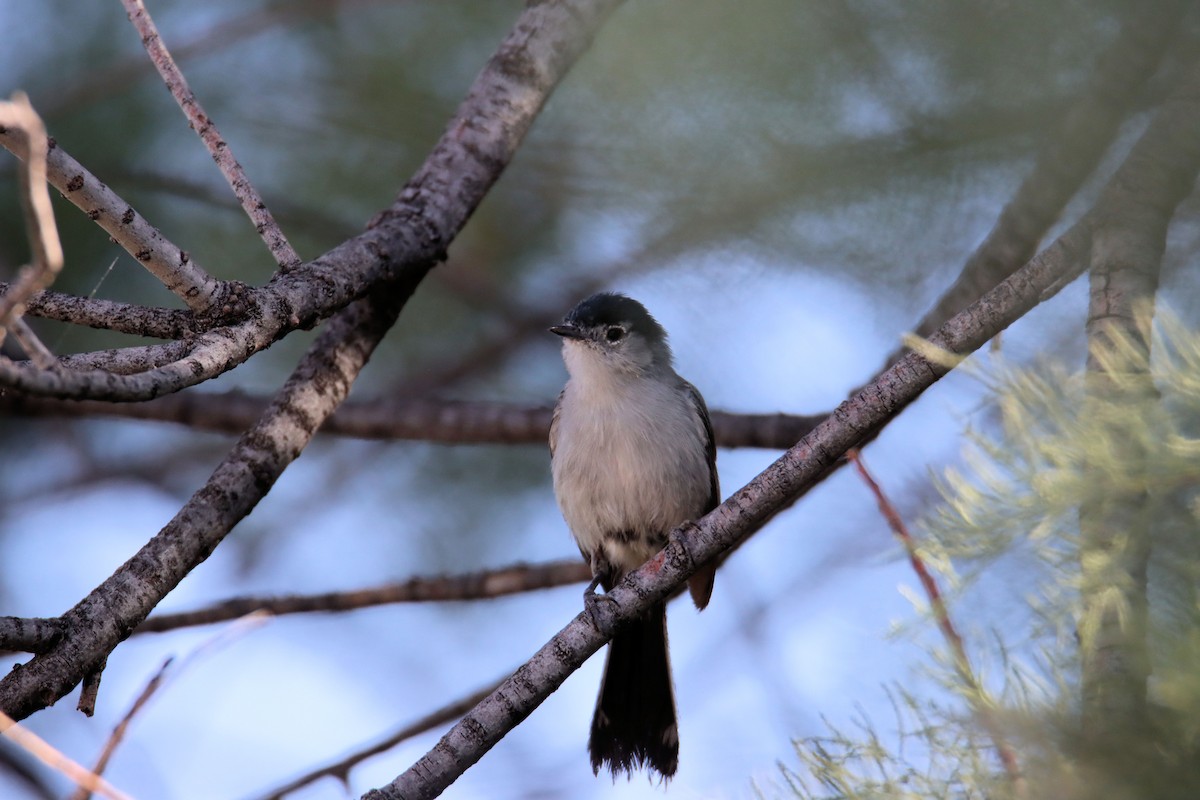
[(118, 733), (484, 584), (341, 769), (223, 34), (37, 351), (55, 759), (170, 669), (206, 129), (17, 116), (167, 262), (89, 690), (976, 694)]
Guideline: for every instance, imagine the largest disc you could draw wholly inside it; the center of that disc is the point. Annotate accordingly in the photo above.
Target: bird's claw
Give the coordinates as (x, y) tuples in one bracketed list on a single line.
[(593, 601)]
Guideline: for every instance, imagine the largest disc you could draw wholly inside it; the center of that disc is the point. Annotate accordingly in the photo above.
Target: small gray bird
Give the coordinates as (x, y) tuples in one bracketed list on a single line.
[(632, 453)]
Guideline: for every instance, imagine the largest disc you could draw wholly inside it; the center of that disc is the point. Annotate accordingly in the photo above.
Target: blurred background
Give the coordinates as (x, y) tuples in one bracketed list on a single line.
[(786, 186)]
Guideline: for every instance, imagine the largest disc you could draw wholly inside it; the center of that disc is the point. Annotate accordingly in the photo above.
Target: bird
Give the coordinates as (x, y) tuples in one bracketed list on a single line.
[(632, 457)]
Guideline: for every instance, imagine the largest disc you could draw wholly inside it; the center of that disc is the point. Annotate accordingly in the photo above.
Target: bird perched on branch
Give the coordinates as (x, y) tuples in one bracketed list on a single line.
[(633, 457)]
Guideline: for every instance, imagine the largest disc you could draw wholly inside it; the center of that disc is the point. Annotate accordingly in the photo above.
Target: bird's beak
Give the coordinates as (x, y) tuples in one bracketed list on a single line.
[(567, 331)]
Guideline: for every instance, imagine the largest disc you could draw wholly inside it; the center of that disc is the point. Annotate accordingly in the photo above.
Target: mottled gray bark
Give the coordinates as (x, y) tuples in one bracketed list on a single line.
[(403, 244)]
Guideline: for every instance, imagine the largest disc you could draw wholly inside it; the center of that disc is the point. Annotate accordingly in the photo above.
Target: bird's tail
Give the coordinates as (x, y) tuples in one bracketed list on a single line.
[(634, 724)]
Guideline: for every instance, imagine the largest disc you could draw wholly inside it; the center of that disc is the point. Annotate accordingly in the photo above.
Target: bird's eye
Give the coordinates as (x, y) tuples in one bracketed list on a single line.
[(614, 334)]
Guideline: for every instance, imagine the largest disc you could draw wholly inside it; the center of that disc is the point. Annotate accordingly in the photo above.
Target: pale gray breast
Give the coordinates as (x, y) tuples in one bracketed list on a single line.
[(634, 461)]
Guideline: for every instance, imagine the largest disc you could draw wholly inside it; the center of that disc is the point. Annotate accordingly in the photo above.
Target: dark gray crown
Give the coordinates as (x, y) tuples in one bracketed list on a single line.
[(611, 308)]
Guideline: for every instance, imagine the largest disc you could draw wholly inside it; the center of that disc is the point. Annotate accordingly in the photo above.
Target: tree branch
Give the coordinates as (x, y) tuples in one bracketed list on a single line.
[(341, 769), (19, 121), (747, 510), (171, 265), (206, 129), (448, 421), (484, 584), (160, 323), (489, 125), (28, 634)]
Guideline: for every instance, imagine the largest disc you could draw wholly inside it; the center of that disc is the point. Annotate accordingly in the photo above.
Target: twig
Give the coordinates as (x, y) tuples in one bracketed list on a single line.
[(225, 33), (172, 266), (206, 129), (19, 120), (239, 628), (159, 323), (118, 732), (53, 758), (341, 769), (448, 421), (407, 239), (742, 514), (90, 690), (38, 353), (471, 586), (976, 694)]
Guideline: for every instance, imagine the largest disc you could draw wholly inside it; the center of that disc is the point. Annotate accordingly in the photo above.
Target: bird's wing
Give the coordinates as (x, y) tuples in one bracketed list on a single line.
[(710, 446), (554, 423)]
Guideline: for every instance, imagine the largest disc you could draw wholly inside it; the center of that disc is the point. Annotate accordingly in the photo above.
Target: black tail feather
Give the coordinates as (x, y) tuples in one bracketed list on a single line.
[(634, 724)]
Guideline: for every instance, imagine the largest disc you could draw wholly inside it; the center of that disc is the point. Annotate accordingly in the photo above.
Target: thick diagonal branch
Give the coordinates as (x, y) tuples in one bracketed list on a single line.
[(482, 138), (747, 510), (1160, 170)]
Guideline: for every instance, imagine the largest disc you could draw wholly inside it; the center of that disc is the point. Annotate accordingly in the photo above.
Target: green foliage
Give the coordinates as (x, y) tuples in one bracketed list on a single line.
[(1057, 442)]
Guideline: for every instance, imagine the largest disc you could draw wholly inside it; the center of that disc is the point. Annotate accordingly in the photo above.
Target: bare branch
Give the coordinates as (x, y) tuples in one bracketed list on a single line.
[(118, 732), (53, 758), (28, 634), (174, 267), (746, 511), (128, 360), (115, 78), (206, 129), (977, 694), (38, 353), (449, 421), (90, 690), (341, 769), (19, 121), (485, 584), (160, 323), (407, 239)]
